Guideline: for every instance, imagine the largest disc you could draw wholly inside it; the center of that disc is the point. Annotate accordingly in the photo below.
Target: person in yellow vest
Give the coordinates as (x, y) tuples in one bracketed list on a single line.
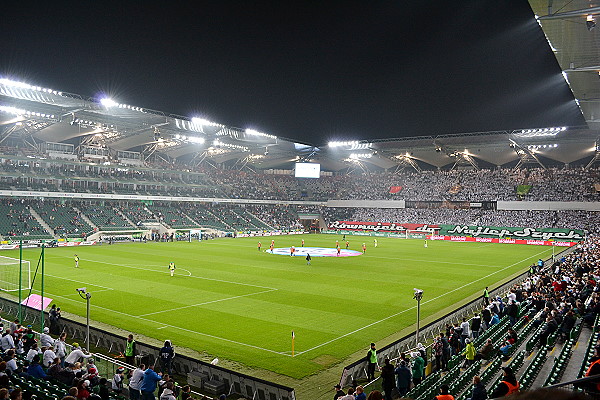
[(172, 267), (444, 393), (76, 257), (508, 386), (371, 362), (130, 350)]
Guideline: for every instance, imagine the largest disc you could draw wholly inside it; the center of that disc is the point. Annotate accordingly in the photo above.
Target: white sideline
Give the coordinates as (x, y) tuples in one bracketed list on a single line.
[(413, 307), (141, 317), (207, 302)]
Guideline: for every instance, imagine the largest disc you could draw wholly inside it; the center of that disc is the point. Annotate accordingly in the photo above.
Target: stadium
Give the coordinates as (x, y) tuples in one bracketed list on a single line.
[(273, 266)]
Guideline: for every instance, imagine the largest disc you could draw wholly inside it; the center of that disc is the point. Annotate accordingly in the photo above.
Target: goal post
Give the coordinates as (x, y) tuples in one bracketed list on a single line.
[(13, 278)]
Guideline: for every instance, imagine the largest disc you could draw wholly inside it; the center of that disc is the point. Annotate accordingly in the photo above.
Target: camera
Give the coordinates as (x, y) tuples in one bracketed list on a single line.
[(81, 290)]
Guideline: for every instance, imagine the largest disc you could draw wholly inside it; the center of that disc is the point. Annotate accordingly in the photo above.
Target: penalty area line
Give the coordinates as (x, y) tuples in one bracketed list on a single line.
[(413, 307), (207, 302), (167, 272), (163, 326)]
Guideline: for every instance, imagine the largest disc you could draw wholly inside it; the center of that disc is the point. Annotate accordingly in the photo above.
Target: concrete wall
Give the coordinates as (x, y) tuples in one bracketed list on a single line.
[(235, 382)]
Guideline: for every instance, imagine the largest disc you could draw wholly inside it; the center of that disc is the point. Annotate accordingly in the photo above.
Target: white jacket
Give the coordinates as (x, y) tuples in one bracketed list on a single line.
[(167, 394)]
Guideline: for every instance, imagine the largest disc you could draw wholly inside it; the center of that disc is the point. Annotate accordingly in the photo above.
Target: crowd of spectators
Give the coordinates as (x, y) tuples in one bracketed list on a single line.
[(568, 219), (553, 184), (558, 293)]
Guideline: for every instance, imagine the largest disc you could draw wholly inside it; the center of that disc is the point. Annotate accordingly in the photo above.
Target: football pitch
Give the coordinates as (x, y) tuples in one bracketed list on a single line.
[(232, 301)]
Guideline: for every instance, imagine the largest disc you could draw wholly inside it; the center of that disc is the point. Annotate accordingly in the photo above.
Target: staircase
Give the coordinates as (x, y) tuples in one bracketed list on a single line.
[(86, 219), (43, 223)]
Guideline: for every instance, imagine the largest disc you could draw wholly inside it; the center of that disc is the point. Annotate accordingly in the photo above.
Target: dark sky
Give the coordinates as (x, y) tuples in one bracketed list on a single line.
[(307, 70)]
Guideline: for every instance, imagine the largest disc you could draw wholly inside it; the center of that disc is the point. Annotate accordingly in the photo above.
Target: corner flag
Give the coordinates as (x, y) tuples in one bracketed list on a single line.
[(293, 340)]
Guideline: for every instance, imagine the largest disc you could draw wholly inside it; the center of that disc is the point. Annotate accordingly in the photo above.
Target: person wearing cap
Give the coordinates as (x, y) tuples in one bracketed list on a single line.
[(166, 357), (418, 367), (403, 378), (117, 381), (83, 391), (444, 393), (371, 362), (507, 386), (339, 393), (45, 339), (75, 355), (469, 352), (130, 350)]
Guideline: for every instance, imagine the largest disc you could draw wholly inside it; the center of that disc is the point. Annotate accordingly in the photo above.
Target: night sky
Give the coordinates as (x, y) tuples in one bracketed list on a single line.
[(307, 70)]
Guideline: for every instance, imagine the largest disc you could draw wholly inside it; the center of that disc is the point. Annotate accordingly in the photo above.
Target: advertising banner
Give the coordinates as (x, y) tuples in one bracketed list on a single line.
[(459, 232)]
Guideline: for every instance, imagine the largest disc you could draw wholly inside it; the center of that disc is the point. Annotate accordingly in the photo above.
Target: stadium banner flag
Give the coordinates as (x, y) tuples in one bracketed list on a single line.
[(392, 229), (35, 301), (523, 189)]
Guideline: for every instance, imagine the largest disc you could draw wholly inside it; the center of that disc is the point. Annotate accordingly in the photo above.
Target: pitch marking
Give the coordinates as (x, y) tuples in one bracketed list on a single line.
[(413, 307)]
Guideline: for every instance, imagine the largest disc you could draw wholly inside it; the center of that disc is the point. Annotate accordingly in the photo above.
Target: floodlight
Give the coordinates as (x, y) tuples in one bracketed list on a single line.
[(107, 102), (203, 122)]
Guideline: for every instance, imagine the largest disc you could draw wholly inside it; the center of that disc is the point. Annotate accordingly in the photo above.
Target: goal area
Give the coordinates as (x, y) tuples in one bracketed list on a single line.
[(10, 274)]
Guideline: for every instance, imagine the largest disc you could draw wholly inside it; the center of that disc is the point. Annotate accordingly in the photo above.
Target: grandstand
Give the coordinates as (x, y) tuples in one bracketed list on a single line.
[(77, 170)]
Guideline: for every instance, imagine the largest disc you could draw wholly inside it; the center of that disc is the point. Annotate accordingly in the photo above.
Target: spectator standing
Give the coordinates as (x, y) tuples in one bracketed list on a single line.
[(7, 341), (135, 382), (387, 378), (486, 296), (469, 352), (403, 378), (60, 348), (76, 355), (418, 367), (45, 339), (117, 381), (475, 326), (149, 383), (465, 332), (339, 393)]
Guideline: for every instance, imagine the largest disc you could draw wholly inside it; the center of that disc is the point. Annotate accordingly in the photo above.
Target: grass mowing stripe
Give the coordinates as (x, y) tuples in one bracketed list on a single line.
[(413, 307), (320, 302)]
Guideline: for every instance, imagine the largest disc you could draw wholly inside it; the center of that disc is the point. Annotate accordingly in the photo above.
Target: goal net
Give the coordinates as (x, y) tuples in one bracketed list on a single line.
[(9, 274)]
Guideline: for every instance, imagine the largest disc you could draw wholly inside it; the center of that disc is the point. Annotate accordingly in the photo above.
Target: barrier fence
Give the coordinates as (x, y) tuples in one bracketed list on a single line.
[(357, 370), (202, 375)]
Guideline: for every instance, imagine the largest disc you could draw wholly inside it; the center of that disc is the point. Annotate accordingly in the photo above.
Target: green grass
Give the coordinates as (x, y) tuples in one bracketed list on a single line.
[(233, 302)]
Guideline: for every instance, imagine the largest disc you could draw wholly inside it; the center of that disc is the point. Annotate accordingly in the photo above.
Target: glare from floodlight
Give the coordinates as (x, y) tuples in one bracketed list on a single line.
[(108, 102), (254, 132), (203, 122), (195, 139)]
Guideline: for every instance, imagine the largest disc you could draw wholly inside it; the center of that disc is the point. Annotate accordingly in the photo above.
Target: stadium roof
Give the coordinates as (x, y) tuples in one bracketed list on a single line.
[(33, 116), (570, 27)]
